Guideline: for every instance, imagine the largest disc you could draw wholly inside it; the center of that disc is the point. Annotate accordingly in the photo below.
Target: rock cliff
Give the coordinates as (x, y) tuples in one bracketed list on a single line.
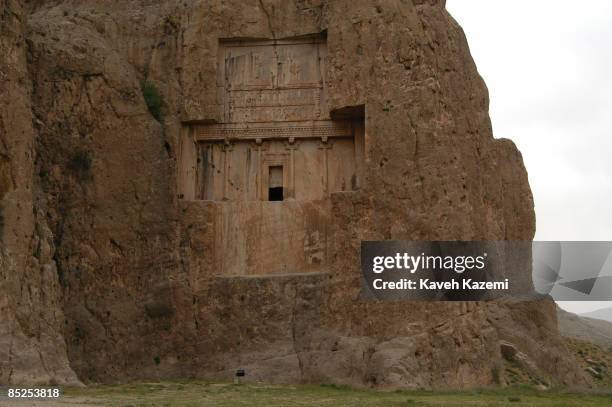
[(107, 273), (32, 346)]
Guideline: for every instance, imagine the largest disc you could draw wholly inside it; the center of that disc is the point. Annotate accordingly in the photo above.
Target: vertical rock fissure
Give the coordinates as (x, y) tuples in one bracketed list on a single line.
[(268, 18), (294, 335)]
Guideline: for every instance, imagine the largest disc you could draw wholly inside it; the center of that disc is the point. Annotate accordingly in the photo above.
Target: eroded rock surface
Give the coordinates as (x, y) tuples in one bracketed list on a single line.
[(32, 347), (103, 255)]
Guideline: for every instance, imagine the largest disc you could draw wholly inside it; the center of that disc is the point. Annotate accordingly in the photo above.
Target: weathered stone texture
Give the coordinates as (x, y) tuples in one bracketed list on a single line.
[(105, 167), (32, 347), (107, 242)]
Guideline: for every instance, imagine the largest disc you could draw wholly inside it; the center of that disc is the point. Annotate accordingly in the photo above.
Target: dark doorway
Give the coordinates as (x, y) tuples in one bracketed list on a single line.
[(275, 182), (275, 194)]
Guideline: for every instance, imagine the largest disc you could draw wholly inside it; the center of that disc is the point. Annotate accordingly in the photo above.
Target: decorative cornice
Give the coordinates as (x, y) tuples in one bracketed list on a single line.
[(330, 129)]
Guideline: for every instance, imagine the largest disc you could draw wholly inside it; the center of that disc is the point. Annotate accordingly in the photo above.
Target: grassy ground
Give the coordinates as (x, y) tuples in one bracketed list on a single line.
[(222, 395)]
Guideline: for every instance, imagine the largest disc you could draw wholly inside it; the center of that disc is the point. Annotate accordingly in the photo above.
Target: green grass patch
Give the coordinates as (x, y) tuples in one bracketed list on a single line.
[(153, 99), (198, 393)]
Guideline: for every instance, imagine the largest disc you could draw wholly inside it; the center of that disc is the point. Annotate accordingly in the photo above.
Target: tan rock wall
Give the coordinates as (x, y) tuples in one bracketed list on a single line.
[(136, 274), (32, 348), (105, 167)]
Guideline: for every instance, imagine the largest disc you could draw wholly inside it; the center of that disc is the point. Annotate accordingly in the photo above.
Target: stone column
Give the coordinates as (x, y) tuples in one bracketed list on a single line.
[(325, 146), (227, 151), (291, 146)]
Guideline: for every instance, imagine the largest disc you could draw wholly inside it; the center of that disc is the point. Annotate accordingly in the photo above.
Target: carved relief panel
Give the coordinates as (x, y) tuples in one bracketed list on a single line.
[(272, 81)]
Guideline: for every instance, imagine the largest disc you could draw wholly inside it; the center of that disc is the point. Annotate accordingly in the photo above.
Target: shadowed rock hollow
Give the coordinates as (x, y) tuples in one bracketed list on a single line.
[(225, 232)]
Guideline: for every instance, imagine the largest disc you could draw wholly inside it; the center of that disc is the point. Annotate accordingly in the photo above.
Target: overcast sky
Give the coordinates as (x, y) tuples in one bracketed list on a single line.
[(548, 67)]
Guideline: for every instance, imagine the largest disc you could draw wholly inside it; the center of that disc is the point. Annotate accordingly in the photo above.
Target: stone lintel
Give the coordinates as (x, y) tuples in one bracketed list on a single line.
[(255, 131)]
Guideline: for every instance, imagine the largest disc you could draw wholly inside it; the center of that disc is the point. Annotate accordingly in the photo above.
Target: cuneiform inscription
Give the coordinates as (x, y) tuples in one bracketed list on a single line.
[(272, 81), (275, 98)]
